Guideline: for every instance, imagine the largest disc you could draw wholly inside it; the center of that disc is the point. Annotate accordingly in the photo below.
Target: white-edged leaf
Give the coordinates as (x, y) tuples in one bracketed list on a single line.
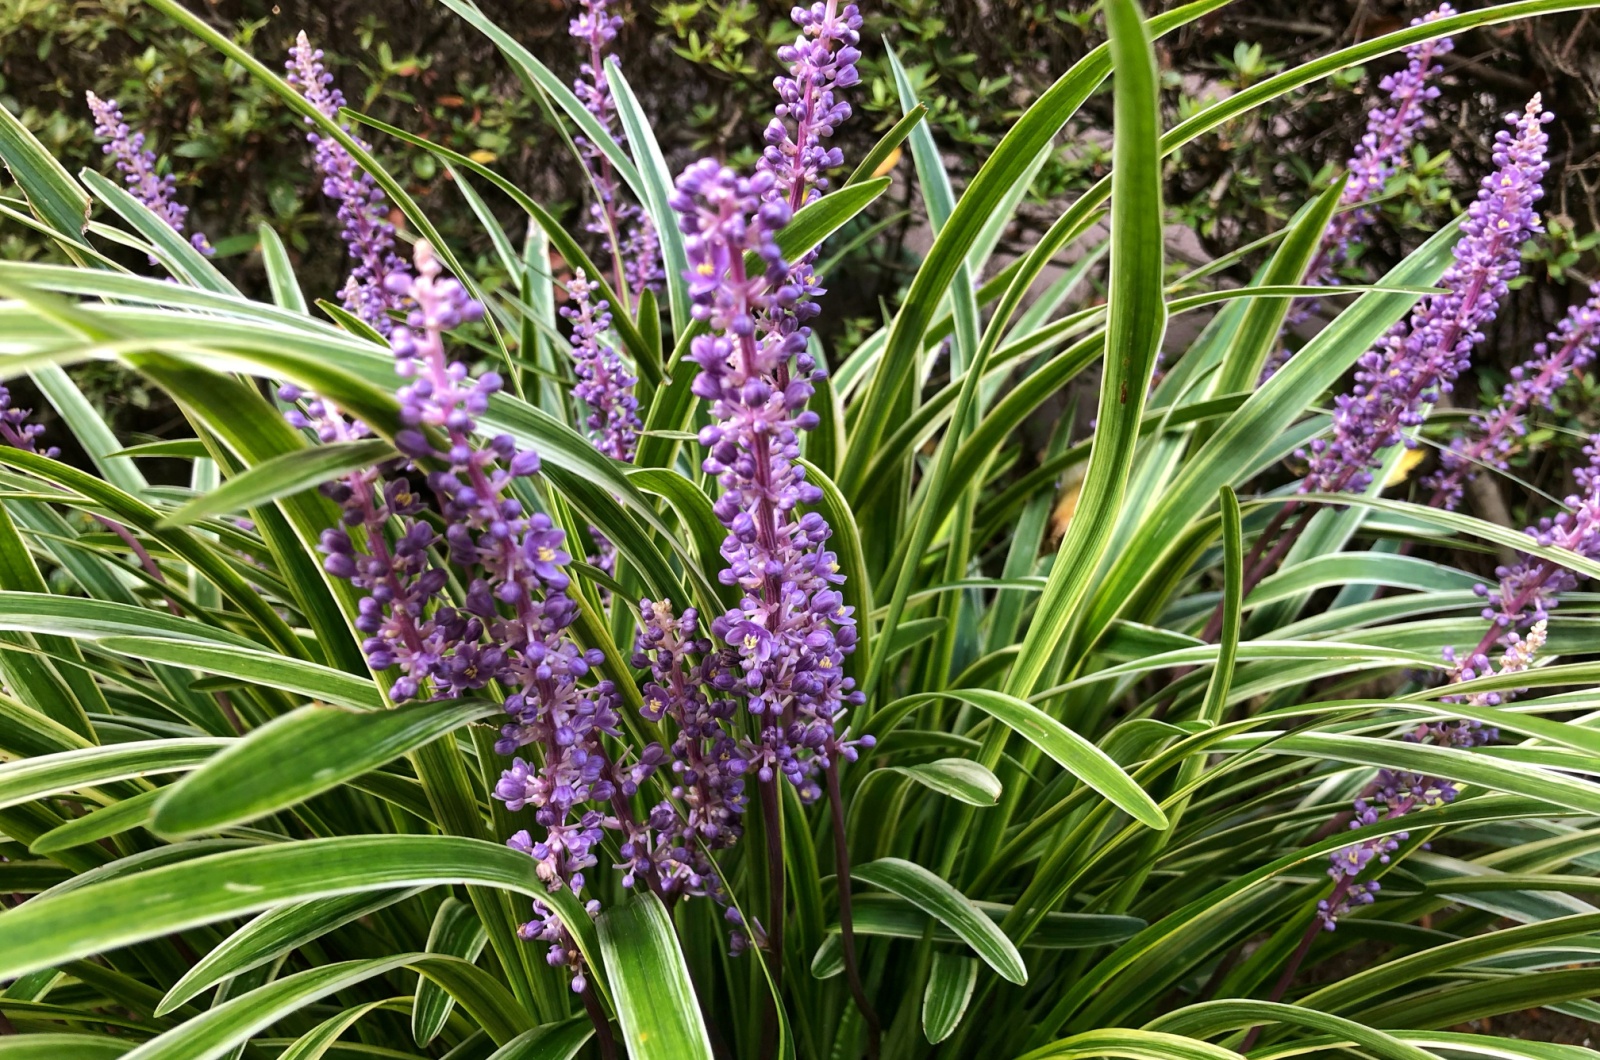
[(656, 1003), (959, 778), (950, 907), (950, 984), (282, 476)]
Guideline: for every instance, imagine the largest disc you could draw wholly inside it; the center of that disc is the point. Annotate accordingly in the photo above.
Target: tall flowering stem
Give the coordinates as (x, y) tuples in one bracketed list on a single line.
[(605, 386), (138, 166), (1492, 435), (363, 209), (791, 631), (1419, 360), (690, 684), (797, 160), (512, 629), (511, 635), (1392, 128), (517, 614), (820, 61), (1412, 368), (630, 239)]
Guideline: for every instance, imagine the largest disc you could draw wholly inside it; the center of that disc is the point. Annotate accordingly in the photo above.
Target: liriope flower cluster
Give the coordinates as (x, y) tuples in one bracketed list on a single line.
[(1421, 359), (821, 61), (363, 209), (605, 385), (1492, 435), (1397, 792), (1528, 589), (511, 631), (16, 430), (139, 169), (1392, 128), (1395, 382), (692, 684), (792, 629), (781, 656)]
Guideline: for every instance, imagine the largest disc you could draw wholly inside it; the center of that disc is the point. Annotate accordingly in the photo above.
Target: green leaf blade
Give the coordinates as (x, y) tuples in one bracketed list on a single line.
[(655, 999), (950, 907)]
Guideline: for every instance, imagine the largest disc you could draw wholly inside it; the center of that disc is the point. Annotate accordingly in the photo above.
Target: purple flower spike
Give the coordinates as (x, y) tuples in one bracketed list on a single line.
[(1414, 364), (604, 383), (1493, 435), (1391, 130), (139, 171), (629, 237), (822, 59), (1528, 589), (1396, 793), (513, 626), (363, 210), (791, 631), (688, 685)]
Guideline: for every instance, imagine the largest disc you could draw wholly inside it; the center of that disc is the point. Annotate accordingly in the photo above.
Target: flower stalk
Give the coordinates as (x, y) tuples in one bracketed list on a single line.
[(1415, 363)]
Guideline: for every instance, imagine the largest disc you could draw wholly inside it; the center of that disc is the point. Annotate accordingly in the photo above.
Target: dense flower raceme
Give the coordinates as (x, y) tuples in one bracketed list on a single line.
[(1398, 792), (514, 630), (1493, 434), (690, 684), (1417, 362), (792, 630), (1528, 588), (821, 60), (629, 237), (604, 383), (139, 169), (605, 386), (1526, 593), (363, 210), (1392, 128)]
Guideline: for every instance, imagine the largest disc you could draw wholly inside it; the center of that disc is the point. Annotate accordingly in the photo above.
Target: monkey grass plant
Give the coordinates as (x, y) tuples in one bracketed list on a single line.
[(645, 678)]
